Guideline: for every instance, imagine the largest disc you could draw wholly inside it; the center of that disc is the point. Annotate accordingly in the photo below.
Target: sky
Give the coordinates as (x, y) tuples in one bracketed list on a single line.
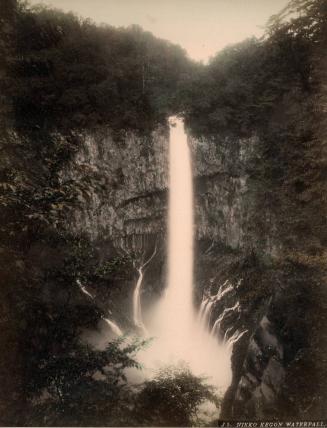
[(201, 27)]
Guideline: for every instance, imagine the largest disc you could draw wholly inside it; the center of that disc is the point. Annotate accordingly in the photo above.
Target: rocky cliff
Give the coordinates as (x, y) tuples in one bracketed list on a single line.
[(122, 184)]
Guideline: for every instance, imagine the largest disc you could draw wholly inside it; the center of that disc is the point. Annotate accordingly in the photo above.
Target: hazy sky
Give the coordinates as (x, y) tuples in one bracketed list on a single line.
[(202, 27)]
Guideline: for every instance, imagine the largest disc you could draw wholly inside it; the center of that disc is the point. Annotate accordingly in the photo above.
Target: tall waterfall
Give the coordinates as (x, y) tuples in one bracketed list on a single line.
[(180, 226), (177, 305), (178, 334)]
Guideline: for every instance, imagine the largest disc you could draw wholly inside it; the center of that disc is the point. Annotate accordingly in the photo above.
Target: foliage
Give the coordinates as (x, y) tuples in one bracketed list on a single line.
[(173, 398), (239, 90), (81, 386), (73, 74)]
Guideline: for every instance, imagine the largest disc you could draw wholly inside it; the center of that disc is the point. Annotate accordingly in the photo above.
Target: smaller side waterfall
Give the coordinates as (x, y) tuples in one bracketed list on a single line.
[(227, 332), (216, 326), (223, 290), (236, 337), (229, 338), (137, 307), (206, 314), (114, 327), (202, 309), (83, 289)]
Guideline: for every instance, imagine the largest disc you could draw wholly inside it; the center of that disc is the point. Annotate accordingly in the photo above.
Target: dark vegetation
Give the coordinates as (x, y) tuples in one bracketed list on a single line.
[(73, 74), (246, 84), (61, 74), (173, 398)]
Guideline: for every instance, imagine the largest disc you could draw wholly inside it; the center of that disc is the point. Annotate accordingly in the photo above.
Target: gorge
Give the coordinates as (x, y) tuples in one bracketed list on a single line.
[(154, 210)]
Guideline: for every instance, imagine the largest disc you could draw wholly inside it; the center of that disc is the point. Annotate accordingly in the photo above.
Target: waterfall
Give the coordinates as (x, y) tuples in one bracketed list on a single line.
[(177, 306), (179, 334), (114, 327), (98, 340), (180, 228), (205, 319), (219, 320), (228, 330), (235, 338), (224, 290), (137, 307), (83, 289)]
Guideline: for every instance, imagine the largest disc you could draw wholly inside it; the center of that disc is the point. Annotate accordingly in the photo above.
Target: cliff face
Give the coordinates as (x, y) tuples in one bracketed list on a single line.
[(121, 204), (227, 188), (122, 184), (122, 187)]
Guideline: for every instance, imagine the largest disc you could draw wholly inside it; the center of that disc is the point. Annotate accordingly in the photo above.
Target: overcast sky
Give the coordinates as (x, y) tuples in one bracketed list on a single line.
[(202, 27)]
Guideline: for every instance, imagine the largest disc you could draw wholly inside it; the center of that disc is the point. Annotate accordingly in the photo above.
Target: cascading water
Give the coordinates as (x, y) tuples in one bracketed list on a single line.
[(179, 335), (93, 338), (137, 308), (114, 327), (175, 314)]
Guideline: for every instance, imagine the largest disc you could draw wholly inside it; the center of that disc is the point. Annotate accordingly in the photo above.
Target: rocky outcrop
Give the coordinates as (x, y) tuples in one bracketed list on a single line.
[(227, 194), (263, 374), (121, 184)]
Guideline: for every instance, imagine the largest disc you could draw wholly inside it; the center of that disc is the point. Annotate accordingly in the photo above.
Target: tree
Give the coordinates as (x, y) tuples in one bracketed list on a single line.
[(81, 386), (173, 398)]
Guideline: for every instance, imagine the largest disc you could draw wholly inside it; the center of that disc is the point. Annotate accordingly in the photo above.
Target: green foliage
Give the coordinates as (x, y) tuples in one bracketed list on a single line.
[(238, 92), (116, 264), (73, 74), (173, 398), (306, 18), (81, 386)]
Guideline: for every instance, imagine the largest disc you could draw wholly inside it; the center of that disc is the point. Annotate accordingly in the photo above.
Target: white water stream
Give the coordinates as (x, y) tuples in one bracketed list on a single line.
[(137, 307), (181, 336)]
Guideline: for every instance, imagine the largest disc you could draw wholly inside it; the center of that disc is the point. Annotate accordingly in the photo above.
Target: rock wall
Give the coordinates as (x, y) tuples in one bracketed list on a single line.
[(123, 188), (227, 193), (122, 184)]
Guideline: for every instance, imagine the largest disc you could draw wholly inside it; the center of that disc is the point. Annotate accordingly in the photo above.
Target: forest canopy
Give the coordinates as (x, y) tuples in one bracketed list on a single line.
[(240, 89), (72, 73)]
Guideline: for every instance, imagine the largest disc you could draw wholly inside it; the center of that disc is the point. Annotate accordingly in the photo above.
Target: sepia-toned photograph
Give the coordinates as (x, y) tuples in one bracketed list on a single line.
[(163, 213)]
